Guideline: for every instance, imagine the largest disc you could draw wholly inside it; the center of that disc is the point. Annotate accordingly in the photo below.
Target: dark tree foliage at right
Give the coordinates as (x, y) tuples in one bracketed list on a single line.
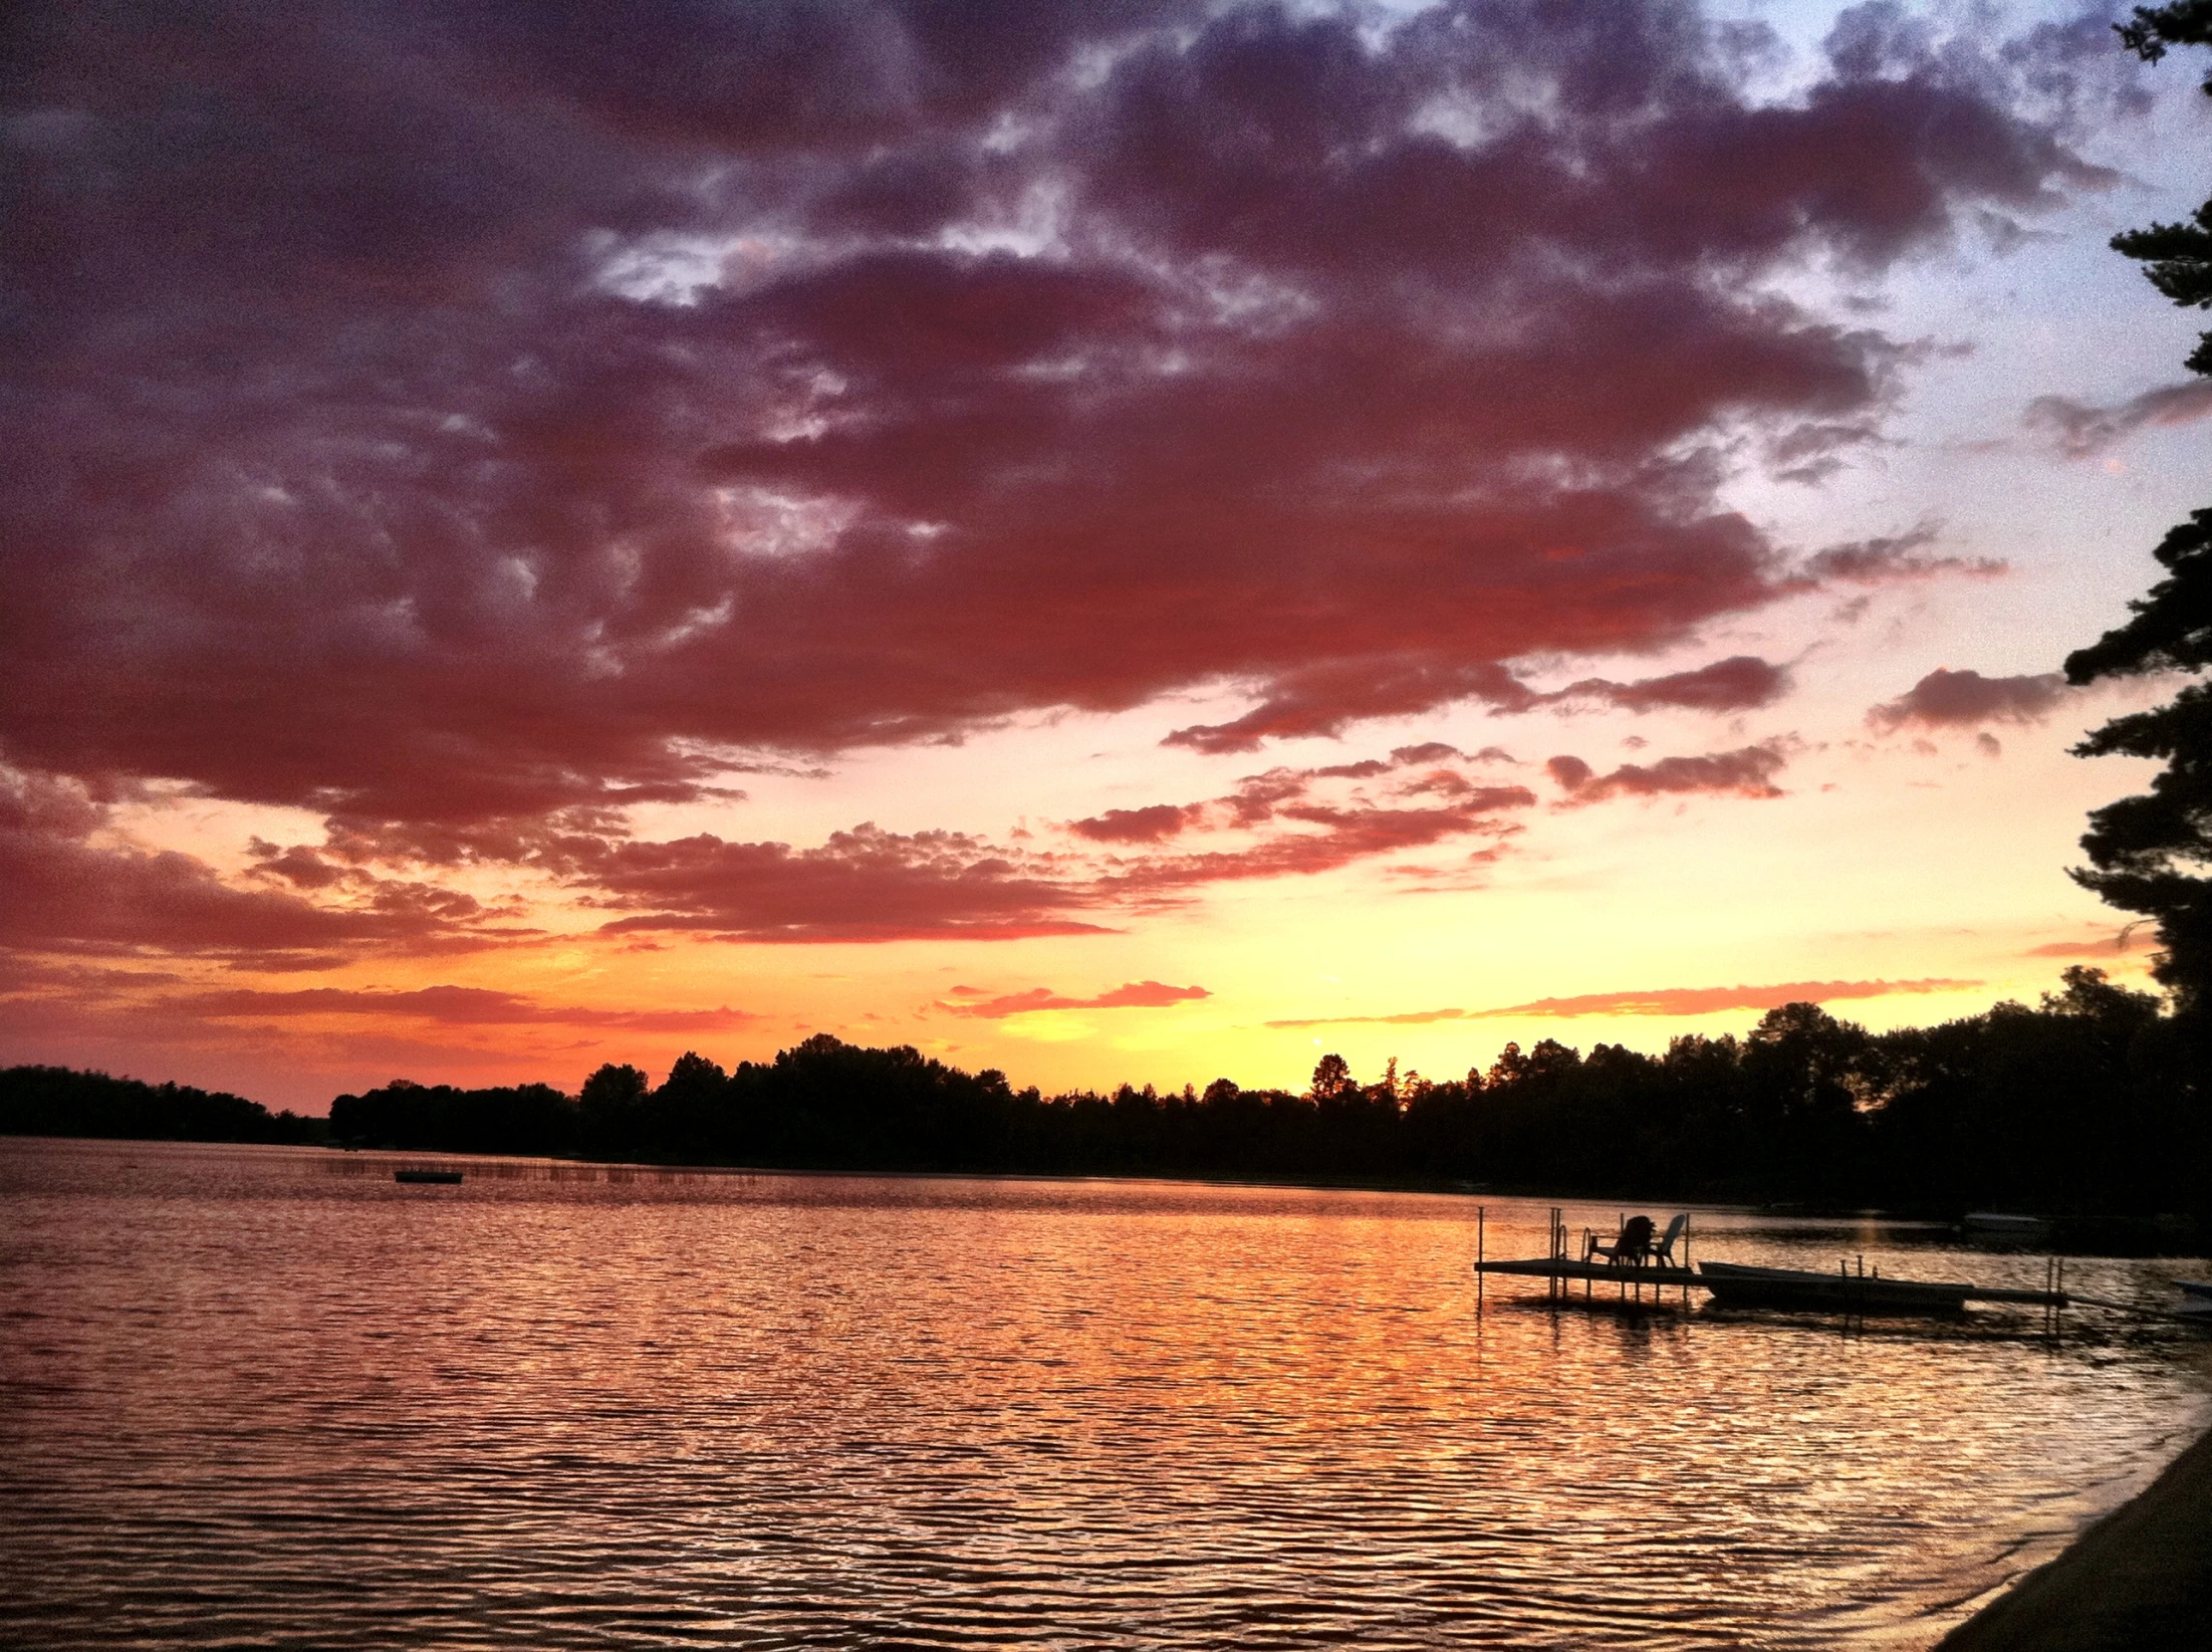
[(2148, 854)]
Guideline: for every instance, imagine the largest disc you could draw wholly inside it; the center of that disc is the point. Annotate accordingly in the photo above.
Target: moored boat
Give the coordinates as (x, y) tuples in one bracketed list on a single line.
[(1734, 1284), (439, 1176)]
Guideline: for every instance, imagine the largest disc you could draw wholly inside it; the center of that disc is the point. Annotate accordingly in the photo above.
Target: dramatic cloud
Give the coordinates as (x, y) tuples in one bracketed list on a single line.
[(1135, 995), (468, 423), (1662, 1001), (1961, 699), (1745, 772), (2080, 431)]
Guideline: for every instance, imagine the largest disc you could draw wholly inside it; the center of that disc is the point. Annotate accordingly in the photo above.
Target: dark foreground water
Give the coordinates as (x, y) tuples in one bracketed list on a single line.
[(266, 1397)]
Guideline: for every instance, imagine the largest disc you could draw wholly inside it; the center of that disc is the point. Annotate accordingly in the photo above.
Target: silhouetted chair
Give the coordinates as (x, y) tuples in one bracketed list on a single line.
[(1662, 1249), (1630, 1249)]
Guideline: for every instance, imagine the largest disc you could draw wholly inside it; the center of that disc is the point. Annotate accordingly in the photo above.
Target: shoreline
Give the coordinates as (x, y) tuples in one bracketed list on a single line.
[(2138, 1579)]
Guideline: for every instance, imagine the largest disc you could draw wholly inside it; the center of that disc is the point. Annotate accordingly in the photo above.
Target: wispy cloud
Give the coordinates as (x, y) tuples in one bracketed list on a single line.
[(1134, 995), (2081, 431), (1659, 1000)]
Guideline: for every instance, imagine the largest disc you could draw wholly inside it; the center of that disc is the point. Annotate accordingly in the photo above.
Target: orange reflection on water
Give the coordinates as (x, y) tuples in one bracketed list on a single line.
[(578, 1405)]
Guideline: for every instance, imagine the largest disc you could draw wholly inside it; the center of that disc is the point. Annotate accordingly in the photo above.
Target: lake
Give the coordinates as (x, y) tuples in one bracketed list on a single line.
[(261, 1395)]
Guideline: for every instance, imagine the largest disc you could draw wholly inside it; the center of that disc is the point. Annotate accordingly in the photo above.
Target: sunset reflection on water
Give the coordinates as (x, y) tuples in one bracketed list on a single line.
[(247, 1394)]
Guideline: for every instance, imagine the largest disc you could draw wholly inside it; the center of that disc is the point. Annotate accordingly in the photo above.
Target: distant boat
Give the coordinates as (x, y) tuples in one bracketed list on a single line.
[(1734, 1284), (445, 1176), (2006, 1224)]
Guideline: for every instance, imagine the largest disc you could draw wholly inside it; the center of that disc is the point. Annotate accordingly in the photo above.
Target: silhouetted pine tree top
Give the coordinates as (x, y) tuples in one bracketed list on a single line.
[(2148, 854)]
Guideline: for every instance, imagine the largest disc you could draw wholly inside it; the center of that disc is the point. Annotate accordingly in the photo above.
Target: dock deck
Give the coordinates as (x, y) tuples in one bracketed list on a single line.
[(1560, 1267)]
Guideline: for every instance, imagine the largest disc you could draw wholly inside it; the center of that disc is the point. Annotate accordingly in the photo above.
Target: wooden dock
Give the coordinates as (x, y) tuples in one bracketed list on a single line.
[(1853, 1294)]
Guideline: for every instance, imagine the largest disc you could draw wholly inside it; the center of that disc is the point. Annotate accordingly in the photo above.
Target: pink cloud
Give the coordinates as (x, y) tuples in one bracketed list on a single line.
[(1135, 826), (1134, 995)]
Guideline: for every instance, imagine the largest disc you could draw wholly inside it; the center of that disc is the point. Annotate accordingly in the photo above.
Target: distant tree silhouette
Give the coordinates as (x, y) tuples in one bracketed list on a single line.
[(60, 1102), (1332, 1077), (611, 1109), (518, 1118), (2148, 854)]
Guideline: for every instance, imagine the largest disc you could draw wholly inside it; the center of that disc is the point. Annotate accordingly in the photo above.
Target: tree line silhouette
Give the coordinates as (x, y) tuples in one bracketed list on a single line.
[(2084, 1102), (61, 1101)]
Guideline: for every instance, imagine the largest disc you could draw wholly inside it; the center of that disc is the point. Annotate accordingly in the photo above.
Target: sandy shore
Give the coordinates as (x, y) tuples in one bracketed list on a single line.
[(2138, 1581)]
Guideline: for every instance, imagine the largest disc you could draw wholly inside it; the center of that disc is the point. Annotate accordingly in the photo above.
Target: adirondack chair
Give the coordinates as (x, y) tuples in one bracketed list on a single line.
[(1662, 1249), (1629, 1248)]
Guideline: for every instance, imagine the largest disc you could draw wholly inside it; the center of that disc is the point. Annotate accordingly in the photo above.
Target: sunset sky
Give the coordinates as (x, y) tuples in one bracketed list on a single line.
[(1109, 540)]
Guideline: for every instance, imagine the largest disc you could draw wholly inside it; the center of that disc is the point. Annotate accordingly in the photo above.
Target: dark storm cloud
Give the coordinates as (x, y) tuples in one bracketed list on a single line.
[(469, 421)]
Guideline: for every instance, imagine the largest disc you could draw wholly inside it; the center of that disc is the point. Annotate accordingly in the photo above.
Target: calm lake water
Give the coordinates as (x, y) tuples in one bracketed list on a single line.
[(262, 1396)]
